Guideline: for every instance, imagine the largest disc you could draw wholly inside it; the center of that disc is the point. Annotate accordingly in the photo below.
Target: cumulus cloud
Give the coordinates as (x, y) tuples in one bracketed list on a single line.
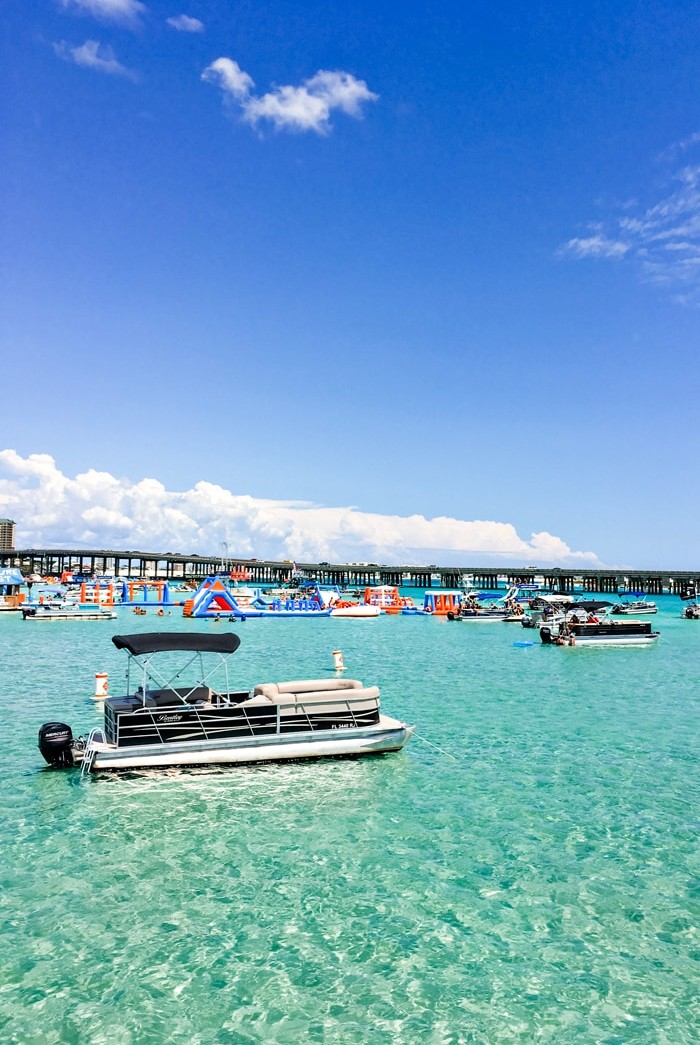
[(185, 24), (229, 76), (124, 11), (92, 55), (306, 107), (662, 237), (96, 509)]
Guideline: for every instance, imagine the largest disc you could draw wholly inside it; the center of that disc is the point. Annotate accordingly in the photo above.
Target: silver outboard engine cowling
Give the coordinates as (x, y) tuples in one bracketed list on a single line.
[(56, 744)]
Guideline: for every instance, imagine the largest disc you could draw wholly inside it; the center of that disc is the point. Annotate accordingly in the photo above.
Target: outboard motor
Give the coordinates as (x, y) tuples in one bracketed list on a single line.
[(56, 744), (546, 636)]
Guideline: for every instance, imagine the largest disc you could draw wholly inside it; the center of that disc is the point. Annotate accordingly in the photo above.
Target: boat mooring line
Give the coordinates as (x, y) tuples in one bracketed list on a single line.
[(436, 746)]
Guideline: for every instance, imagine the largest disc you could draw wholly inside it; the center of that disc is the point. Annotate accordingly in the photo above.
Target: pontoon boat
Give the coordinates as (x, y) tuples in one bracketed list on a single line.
[(163, 724), (634, 607)]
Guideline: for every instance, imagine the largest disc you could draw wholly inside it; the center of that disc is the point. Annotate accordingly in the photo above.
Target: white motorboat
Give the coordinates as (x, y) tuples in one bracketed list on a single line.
[(159, 724), (474, 608), (65, 610), (548, 608), (689, 594)]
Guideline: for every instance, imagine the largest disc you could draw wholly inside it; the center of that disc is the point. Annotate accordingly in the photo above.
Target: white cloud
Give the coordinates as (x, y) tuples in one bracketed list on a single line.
[(96, 509), (230, 78), (92, 55), (307, 107), (185, 24), (596, 247), (109, 10), (662, 238)]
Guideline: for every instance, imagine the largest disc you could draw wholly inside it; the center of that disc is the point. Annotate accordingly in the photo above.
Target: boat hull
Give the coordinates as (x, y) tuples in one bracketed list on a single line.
[(618, 640), (68, 616), (481, 618), (388, 735)]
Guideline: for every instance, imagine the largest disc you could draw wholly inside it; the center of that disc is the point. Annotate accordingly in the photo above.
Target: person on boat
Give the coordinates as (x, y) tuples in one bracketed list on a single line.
[(592, 619), (575, 620)]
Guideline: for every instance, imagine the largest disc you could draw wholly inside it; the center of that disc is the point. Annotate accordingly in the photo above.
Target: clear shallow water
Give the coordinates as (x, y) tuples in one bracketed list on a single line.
[(532, 878)]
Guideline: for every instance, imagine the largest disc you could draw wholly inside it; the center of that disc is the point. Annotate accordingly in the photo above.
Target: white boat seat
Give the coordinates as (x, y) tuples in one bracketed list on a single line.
[(274, 689), (331, 699), (356, 701)]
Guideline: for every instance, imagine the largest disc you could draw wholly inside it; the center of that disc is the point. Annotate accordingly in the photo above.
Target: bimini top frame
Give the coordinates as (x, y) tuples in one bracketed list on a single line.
[(143, 647)]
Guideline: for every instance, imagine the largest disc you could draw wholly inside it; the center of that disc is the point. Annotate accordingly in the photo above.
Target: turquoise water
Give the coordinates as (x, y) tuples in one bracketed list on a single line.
[(526, 870)]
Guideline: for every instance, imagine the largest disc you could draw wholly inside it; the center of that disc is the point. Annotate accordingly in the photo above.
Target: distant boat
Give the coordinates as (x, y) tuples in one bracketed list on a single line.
[(691, 612), (477, 607), (591, 631), (549, 609), (634, 607), (67, 611)]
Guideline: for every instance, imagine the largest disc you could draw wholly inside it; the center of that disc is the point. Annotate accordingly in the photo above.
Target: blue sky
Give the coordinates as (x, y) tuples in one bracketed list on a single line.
[(397, 264)]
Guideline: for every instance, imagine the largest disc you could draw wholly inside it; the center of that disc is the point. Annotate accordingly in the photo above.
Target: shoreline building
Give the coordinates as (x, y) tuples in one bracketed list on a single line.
[(7, 535)]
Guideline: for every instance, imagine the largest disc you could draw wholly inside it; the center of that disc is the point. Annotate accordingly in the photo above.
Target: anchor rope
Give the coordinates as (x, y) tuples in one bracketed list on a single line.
[(437, 747)]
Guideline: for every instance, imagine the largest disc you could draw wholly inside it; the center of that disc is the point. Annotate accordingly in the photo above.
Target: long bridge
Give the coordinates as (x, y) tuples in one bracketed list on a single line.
[(170, 566)]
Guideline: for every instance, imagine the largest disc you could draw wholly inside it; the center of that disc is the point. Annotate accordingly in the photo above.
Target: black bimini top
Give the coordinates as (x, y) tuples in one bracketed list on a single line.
[(176, 641)]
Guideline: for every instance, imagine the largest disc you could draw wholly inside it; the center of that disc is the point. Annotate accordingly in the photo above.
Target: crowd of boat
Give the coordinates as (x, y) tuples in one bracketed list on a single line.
[(158, 723), (560, 618)]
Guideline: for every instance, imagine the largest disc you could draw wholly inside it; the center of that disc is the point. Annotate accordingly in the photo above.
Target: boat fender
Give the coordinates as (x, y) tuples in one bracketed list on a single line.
[(56, 744)]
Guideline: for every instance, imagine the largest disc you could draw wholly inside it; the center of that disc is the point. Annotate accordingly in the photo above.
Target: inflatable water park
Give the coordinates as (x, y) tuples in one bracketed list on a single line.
[(214, 599)]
